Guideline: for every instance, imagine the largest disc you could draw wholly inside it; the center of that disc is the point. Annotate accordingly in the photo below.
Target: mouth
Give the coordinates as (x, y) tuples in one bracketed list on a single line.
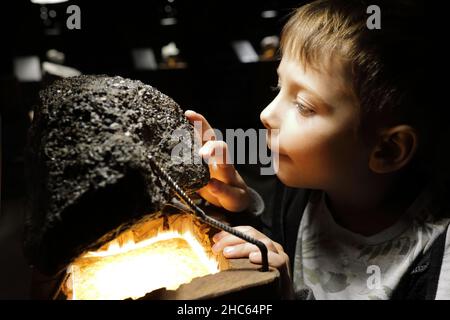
[(276, 153), (269, 140), (280, 156)]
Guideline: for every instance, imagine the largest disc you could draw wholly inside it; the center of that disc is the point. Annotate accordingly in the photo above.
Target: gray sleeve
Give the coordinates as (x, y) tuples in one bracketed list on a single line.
[(443, 289), (305, 294), (256, 206)]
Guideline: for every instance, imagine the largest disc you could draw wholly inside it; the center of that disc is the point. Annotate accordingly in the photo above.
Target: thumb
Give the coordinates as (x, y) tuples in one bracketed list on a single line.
[(231, 198)]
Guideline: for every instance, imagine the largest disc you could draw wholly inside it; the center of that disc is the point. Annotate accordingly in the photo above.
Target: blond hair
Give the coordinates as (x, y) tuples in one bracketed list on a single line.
[(382, 64), (386, 68)]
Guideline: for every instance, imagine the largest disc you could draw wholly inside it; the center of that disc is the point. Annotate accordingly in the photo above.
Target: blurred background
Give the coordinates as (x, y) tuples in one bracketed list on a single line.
[(215, 57)]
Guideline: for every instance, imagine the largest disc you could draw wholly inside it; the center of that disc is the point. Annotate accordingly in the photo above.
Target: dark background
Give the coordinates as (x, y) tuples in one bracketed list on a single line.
[(229, 93)]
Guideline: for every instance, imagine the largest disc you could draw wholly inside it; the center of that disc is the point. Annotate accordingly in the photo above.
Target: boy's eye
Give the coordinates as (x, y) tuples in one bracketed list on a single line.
[(304, 110)]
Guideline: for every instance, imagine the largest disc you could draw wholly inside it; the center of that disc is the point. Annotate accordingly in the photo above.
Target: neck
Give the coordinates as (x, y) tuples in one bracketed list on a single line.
[(369, 208)]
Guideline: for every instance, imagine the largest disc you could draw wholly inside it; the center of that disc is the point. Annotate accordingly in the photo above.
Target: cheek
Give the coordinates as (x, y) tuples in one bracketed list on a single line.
[(317, 154)]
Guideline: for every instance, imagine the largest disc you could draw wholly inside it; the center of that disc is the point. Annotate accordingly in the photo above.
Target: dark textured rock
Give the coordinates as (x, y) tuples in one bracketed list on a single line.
[(89, 174)]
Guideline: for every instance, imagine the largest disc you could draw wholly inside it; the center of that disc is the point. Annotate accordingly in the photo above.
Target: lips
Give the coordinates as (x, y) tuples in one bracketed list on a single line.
[(277, 154), (269, 141), (280, 154)]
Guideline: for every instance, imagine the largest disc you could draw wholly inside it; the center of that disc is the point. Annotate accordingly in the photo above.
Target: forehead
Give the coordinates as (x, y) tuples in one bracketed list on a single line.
[(330, 81)]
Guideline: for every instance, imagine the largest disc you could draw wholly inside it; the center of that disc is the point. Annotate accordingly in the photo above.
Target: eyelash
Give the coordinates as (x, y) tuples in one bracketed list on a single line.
[(302, 109)]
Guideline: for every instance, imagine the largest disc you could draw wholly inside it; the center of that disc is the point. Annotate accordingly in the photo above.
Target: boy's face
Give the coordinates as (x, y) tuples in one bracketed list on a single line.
[(317, 116)]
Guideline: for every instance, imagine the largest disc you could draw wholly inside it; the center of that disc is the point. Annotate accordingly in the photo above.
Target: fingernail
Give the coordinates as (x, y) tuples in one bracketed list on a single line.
[(189, 111), (228, 250), (205, 151), (214, 164)]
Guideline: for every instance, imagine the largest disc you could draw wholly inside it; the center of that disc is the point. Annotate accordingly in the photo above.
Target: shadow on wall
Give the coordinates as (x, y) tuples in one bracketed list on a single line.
[(15, 274)]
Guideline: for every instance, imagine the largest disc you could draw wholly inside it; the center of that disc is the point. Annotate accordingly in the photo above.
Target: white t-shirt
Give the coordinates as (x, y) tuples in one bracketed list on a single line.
[(335, 263)]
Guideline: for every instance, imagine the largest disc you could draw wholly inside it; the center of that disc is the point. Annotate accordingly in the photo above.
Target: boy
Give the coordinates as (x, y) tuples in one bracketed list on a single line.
[(354, 210)]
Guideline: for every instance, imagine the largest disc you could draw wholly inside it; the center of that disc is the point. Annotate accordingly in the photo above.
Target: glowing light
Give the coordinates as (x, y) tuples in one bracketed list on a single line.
[(48, 1), (129, 269)]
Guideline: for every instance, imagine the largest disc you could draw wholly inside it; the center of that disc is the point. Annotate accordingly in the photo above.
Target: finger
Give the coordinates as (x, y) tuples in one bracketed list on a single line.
[(216, 154), (231, 240), (201, 126), (233, 201), (206, 194), (241, 250), (250, 231), (278, 246), (216, 151), (231, 198), (276, 260), (218, 236), (227, 241), (246, 249)]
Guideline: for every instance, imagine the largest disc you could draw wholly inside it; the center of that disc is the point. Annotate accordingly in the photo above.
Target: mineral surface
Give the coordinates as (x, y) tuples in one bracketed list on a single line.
[(87, 159)]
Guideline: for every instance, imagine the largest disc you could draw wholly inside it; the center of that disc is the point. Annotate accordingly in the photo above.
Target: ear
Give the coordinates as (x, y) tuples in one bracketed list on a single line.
[(394, 149)]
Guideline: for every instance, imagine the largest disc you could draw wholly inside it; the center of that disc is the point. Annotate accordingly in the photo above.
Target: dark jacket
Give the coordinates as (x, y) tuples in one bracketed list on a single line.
[(280, 221)]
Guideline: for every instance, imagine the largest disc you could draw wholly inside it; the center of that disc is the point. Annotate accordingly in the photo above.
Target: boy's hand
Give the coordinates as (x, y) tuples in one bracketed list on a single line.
[(234, 247), (226, 188)]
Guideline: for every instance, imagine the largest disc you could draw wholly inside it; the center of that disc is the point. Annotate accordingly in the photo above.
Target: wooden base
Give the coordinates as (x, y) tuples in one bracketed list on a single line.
[(243, 280)]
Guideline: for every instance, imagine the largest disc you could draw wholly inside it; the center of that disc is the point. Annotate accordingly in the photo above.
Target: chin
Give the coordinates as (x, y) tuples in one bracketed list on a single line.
[(287, 179), (291, 178)]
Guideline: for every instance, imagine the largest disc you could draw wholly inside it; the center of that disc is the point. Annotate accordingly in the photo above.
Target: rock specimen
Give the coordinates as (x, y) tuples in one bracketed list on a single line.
[(89, 174)]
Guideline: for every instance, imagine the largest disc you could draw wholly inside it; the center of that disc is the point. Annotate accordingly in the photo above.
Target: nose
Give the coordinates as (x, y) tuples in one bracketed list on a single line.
[(269, 116)]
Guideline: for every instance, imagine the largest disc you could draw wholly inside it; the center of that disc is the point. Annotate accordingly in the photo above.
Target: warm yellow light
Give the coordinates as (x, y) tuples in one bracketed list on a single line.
[(130, 270)]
